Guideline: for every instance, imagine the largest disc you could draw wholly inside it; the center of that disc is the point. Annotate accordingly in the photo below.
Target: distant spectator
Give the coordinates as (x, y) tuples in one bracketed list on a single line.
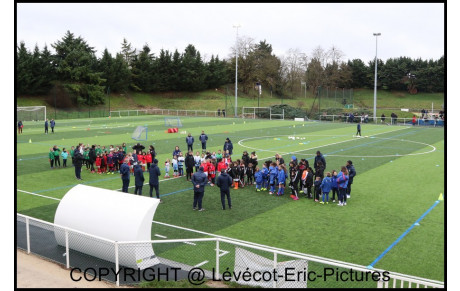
[(20, 126), (218, 112), (52, 124), (46, 126), (203, 139), (189, 140), (382, 118), (223, 112)]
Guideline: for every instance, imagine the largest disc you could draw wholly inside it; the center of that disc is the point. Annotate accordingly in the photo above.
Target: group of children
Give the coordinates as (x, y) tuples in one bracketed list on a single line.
[(102, 160)]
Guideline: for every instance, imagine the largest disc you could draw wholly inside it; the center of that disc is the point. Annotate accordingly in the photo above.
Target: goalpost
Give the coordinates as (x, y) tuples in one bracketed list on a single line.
[(140, 133), (173, 122), (31, 113), (256, 112)]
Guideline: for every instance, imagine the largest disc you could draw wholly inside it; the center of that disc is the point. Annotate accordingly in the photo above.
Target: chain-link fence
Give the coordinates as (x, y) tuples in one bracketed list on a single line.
[(197, 260)]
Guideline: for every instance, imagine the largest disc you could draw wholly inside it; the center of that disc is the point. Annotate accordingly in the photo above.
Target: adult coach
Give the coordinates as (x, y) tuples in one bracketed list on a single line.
[(154, 173), (351, 174), (52, 124), (189, 140), (203, 139), (78, 162), (228, 146), (199, 181), (46, 126), (124, 174), (224, 181), (319, 158), (138, 148)]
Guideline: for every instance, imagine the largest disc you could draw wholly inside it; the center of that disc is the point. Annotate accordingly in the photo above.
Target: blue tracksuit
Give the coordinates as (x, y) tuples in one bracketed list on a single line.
[(273, 173), (264, 178), (259, 179), (326, 187), (281, 181), (334, 187), (342, 183)]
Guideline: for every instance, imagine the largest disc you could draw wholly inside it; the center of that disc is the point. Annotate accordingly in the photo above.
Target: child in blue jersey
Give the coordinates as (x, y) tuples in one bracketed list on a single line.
[(282, 174), (264, 177), (334, 187), (259, 179), (326, 187), (342, 183), (272, 173)]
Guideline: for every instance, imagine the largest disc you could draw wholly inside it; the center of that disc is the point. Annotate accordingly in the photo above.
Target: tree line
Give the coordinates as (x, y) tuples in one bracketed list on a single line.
[(75, 69)]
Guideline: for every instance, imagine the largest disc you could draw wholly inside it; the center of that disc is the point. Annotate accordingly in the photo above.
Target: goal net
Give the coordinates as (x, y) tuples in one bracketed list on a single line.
[(256, 112), (31, 113), (140, 133), (173, 122)]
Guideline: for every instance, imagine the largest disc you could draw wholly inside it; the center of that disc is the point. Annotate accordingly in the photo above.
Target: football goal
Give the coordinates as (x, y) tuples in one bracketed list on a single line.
[(140, 133), (173, 122), (31, 113), (255, 112)]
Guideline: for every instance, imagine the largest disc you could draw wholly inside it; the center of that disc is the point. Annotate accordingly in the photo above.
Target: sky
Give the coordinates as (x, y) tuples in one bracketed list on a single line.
[(414, 30)]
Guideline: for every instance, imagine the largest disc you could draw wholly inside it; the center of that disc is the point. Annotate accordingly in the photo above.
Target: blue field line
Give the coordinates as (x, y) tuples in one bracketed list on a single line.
[(175, 192), (402, 236)]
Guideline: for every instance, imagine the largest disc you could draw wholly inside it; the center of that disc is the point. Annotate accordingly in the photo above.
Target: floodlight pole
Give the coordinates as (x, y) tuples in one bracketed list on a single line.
[(375, 80), (236, 71)]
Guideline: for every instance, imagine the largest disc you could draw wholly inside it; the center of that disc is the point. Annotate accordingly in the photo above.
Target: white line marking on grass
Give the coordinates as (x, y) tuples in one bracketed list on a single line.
[(30, 193), (200, 264), (334, 143), (159, 235), (189, 243), (222, 252)]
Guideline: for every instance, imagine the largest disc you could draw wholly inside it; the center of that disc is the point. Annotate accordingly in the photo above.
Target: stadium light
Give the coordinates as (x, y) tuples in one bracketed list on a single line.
[(236, 71), (375, 80)]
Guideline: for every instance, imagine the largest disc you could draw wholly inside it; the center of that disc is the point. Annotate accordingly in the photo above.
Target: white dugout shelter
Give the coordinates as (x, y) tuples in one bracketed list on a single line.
[(111, 215)]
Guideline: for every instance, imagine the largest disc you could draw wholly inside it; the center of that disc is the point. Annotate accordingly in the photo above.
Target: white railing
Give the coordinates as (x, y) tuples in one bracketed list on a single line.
[(191, 253), (386, 120), (175, 112)]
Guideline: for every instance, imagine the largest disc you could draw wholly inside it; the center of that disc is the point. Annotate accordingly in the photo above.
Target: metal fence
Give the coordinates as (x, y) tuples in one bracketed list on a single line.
[(199, 259), (434, 122), (175, 112)]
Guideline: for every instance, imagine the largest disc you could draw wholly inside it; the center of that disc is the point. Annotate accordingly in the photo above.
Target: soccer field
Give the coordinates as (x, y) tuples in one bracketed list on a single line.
[(400, 175)]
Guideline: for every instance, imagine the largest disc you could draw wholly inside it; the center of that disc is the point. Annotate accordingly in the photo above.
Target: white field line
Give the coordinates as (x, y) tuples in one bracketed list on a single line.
[(30, 193), (49, 197), (200, 264), (159, 235), (334, 143), (189, 243)]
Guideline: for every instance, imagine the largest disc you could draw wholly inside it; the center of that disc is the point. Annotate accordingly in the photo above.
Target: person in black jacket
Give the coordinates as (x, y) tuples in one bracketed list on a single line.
[(245, 158), (228, 146), (294, 177), (199, 181), (92, 157), (189, 163), (138, 179), (319, 158), (351, 174), (138, 149), (78, 162), (224, 181), (124, 174), (154, 173)]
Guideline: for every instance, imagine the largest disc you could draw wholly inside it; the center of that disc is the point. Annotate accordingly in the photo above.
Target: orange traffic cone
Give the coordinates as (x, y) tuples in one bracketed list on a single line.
[(236, 185)]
